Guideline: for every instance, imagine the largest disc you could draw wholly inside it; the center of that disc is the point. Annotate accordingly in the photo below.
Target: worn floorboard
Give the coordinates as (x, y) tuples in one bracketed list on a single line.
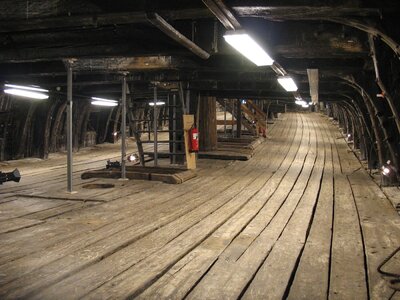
[(301, 220)]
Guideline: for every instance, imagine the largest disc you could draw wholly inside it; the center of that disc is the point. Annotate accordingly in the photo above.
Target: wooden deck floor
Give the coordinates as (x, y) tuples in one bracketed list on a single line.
[(300, 220)]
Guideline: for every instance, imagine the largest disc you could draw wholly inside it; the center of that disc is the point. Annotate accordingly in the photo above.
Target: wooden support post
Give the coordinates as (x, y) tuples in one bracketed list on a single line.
[(208, 124), (239, 119), (188, 123)]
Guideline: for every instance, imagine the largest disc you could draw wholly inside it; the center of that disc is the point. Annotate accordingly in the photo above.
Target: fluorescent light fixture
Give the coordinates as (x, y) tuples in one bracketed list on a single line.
[(26, 91), (287, 83), (302, 103), (299, 102), (26, 94), (103, 102), (158, 103), (249, 48), (28, 88)]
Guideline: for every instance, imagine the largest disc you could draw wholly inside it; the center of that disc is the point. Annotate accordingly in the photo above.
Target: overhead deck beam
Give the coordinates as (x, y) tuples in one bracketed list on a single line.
[(223, 14), (174, 34), (286, 12), (134, 17), (97, 20), (323, 14)]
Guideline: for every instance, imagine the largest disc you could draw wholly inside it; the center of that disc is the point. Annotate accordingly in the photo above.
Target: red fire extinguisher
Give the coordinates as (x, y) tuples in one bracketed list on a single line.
[(193, 140)]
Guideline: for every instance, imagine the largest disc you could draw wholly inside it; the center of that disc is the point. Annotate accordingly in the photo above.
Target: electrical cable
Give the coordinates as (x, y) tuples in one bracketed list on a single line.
[(389, 274)]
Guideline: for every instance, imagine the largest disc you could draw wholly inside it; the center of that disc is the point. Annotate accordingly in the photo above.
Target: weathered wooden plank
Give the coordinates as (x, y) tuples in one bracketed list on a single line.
[(171, 249), (21, 207), (236, 266), (124, 234), (348, 277), (271, 280), (131, 282), (12, 247), (122, 194), (113, 265), (380, 225), (378, 220), (132, 252), (184, 275), (15, 224), (57, 211), (243, 154), (182, 240), (311, 280), (83, 286)]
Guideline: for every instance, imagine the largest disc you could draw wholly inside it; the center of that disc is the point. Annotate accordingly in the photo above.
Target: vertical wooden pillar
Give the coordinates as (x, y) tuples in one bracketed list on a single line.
[(208, 124), (188, 123)]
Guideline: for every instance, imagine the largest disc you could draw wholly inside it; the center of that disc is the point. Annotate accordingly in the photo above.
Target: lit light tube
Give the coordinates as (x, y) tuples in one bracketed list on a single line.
[(305, 105), (158, 103), (287, 83), (249, 48), (28, 88), (26, 91), (103, 102)]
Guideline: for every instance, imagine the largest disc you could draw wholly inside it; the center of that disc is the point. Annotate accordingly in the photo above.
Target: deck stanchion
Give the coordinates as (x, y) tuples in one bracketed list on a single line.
[(123, 130), (155, 127), (69, 128)]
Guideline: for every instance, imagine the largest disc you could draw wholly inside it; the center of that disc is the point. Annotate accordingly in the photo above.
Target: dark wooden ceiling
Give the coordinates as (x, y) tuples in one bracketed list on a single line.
[(108, 38)]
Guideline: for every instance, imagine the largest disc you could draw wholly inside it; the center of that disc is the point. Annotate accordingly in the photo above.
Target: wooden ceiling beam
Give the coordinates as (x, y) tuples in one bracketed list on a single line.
[(174, 34), (290, 12), (223, 14), (97, 20)]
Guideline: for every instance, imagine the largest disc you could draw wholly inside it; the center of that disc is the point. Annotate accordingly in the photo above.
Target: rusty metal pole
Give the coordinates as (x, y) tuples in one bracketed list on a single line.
[(224, 117), (232, 101), (155, 120), (123, 130), (69, 129)]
